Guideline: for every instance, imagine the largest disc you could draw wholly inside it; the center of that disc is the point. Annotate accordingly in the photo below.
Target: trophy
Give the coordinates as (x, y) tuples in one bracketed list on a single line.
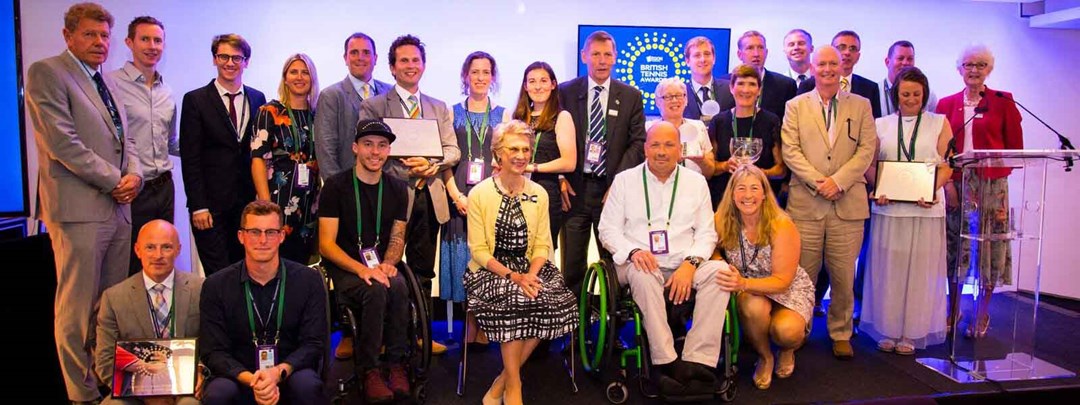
[(745, 151)]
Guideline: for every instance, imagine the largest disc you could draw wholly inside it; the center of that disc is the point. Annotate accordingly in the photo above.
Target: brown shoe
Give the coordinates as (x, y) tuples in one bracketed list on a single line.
[(375, 390), (344, 349), (399, 380), (842, 349)]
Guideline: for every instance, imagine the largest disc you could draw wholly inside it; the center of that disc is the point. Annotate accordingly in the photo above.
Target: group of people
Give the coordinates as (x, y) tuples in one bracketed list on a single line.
[(274, 186)]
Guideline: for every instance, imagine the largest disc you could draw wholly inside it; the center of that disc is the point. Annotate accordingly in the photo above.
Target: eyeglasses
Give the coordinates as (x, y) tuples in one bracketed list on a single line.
[(673, 97), (843, 47), (223, 58), (975, 66), (258, 233)]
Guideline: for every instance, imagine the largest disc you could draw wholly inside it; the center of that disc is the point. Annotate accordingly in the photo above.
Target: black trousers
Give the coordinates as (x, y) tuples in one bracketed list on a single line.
[(383, 316), (420, 235), (155, 201), (584, 217), (219, 246)]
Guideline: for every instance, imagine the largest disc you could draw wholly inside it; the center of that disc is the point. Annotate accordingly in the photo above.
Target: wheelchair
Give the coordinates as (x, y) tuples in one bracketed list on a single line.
[(342, 318), (606, 351)]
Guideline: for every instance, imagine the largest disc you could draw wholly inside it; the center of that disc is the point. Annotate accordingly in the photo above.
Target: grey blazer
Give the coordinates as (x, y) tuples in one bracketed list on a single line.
[(389, 105), (338, 110), (125, 315), (80, 159)]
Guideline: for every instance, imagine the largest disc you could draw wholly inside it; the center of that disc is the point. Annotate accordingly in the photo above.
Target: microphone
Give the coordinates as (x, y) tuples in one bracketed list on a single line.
[(1065, 143), (950, 152)]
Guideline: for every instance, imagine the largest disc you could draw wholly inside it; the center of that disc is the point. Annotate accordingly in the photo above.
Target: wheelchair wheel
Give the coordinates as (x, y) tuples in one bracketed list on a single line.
[(419, 324), (729, 390), (596, 324), (617, 392)]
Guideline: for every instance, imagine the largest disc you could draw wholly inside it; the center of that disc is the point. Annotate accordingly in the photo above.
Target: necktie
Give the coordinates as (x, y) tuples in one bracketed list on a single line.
[(232, 110), (800, 79), (414, 108), (705, 94), (365, 91), (844, 84), (107, 99), (597, 129), (161, 310)]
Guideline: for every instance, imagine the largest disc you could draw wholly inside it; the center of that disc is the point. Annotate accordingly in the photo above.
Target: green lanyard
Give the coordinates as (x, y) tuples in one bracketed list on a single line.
[(279, 294), (482, 133), (832, 110), (671, 205), (735, 124), (171, 316), (378, 212), (294, 130), (908, 151)]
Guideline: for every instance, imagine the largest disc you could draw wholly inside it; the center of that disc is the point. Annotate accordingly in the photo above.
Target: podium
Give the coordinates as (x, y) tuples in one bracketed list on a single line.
[(1002, 207)]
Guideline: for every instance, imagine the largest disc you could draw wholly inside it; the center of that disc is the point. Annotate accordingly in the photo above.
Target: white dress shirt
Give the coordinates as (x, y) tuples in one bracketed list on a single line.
[(624, 226), (404, 94), (697, 89), (603, 95), (240, 105)]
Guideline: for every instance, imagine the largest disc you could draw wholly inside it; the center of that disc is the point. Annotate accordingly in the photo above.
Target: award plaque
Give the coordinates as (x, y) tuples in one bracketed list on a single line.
[(906, 181), (154, 367)]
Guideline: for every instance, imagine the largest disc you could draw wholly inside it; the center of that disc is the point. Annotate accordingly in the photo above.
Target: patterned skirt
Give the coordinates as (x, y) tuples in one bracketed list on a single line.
[(505, 313)]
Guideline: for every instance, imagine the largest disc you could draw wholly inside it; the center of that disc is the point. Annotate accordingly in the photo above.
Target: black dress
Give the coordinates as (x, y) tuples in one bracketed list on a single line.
[(547, 149), (766, 126)]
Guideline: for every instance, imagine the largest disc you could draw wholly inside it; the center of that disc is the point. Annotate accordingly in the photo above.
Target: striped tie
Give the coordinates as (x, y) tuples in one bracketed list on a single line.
[(844, 84), (366, 92), (597, 129), (161, 310), (414, 108)]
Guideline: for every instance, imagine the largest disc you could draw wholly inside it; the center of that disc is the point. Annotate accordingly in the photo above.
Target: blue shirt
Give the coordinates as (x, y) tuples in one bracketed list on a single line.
[(151, 118)]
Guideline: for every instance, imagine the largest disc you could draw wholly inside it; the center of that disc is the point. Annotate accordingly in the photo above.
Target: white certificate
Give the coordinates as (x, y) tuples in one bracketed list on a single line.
[(415, 138), (906, 181)]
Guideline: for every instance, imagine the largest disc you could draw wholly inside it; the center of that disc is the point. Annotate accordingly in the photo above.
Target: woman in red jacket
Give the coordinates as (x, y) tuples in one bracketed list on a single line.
[(981, 118)]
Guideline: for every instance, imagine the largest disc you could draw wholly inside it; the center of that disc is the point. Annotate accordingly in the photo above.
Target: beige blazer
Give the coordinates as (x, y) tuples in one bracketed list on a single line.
[(484, 202), (810, 157)]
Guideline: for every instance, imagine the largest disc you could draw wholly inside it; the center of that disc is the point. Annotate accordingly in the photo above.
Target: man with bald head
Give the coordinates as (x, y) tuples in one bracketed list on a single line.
[(658, 226), (829, 140), (156, 303), (849, 46)]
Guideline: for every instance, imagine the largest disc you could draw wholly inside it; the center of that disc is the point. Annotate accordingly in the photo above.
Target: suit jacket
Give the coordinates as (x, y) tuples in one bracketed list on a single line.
[(859, 85), (80, 158), (625, 128), (998, 128), (776, 90), (721, 91), (388, 105), (807, 153), (125, 315), (335, 125), (216, 166)]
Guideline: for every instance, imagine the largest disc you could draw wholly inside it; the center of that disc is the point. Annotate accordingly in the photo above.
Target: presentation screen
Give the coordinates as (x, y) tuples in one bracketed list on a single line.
[(13, 198), (646, 55)]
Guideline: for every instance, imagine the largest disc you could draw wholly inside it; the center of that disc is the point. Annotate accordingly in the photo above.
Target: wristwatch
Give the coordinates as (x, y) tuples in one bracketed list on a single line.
[(694, 261)]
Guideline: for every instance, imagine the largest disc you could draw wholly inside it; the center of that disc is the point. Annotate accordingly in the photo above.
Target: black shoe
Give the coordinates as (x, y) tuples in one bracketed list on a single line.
[(687, 371), (669, 386)]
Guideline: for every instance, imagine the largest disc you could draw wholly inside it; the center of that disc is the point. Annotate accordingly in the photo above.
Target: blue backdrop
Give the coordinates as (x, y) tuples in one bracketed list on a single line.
[(13, 197)]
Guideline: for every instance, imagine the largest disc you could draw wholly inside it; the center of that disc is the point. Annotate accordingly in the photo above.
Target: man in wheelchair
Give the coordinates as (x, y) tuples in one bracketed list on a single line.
[(658, 224), (362, 219)]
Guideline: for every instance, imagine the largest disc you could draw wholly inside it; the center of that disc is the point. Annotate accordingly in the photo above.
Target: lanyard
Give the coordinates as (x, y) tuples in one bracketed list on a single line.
[(378, 213), (294, 130), (909, 151), (482, 132), (420, 110), (742, 251), (735, 124), (278, 299), (171, 317), (832, 110), (671, 205)]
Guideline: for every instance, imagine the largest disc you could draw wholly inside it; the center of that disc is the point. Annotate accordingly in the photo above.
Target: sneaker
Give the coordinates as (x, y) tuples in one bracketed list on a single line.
[(344, 349), (375, 390), (399, 380)]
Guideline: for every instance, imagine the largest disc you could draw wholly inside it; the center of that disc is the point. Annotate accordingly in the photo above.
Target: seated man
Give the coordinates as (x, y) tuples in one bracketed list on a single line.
[(658, 224), (165, 300), (263, 321), (362, 242)]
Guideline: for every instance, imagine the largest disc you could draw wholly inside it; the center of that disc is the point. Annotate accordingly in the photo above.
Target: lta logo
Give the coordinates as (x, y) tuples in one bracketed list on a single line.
[(647, 60)]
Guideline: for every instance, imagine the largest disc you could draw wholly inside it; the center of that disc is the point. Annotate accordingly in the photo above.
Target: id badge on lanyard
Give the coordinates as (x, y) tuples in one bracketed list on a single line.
[(370, 257), (594, 151), (476, 172), (267, 356), (658, 242), (303, 175)]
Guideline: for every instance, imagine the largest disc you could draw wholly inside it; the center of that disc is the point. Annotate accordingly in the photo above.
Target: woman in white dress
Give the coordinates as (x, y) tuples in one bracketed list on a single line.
[(904, 300), (697, 150)]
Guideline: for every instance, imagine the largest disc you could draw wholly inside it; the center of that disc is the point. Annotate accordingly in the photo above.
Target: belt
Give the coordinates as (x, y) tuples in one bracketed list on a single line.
[(593, 176), (159, 180)]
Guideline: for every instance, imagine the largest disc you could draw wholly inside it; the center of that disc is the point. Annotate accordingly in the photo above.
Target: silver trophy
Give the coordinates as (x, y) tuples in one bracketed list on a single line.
[(745, 151)]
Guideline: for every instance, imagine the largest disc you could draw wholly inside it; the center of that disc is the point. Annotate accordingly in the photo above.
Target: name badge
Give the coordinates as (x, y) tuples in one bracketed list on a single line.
[(658, 242), (691, 149), (370, 257), (476, 172), (595, 149), (303, 175), (613, 112), (979, 115), (267, 356)]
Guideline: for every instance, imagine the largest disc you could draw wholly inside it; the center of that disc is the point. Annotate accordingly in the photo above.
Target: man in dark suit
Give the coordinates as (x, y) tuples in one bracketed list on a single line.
[(155, 303), (776, 89), (88, 174), (798, 45), (850, 47), (339, 106), (610, 120), (216, 124), (700, 55)]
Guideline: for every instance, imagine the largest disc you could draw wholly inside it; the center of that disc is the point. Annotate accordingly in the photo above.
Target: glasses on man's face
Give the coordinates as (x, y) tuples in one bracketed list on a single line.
[(845, 47), (673, 97), (975, 66), (258, 233), (223, 58)]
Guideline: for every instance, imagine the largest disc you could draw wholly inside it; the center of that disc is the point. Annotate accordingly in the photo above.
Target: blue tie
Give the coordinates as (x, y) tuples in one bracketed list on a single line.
[(597, 127), (107, 99), (161, 310)]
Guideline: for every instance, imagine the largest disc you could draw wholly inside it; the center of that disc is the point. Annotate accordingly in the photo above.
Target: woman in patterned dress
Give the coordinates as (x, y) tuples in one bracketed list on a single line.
[(283, 163), (517, 294), (775, 296)]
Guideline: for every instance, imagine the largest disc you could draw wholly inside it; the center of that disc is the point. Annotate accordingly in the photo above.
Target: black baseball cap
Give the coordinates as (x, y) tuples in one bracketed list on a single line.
[(374, 127)]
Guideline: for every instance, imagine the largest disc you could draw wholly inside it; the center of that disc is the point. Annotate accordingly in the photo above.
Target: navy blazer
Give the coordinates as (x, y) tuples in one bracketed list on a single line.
[(776, 90), (721, 91), (625, 128), (859, 85)]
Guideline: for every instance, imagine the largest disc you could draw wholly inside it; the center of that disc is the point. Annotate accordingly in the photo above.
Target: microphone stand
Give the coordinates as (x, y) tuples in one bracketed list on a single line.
[(1065, 143)]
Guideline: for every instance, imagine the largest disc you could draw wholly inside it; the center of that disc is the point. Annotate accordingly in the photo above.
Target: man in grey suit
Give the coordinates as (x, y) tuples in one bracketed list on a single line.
[(700, 55), (339, 106), (88, 174), (126, 308)]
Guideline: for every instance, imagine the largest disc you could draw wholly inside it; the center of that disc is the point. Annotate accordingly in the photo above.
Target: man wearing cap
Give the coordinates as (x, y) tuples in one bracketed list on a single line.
[(362, 221)]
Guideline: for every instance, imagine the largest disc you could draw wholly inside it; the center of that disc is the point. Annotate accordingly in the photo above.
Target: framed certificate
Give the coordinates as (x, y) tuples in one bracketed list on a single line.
[(153, 367), (906, 181), (415, 138)]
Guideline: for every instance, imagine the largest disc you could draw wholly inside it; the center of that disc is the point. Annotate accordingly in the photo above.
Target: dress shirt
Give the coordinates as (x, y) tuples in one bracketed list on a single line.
[(404, 94), (887, 106), (831, 126), (168, 283), (151, 118), (624, 226), (241, 105), (795, 75), (86, 69), (359, 86), (697, 89), (603, 97)]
